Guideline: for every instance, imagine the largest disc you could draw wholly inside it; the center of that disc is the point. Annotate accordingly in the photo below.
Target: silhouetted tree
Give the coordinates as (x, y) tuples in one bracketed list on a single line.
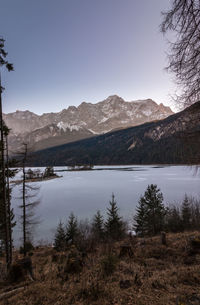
[(186, 213), (71, 230), (29, 202), (10, 214), (10, 173), (173, 220), (150, 213), (9, 67), (195, 214), (140, 221), (183, 19), (49, 171), (114, 227), (98, 226), (60, 238)]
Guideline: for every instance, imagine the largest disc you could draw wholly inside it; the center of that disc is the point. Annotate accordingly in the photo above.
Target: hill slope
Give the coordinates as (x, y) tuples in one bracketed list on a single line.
[(154, 275), (175, 139)]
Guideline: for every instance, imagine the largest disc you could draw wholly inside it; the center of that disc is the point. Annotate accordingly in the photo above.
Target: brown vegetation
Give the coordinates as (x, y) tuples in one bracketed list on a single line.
[(152, 274)]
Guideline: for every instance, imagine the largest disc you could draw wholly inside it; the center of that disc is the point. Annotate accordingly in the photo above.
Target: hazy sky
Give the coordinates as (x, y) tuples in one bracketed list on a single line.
[(69, 51)]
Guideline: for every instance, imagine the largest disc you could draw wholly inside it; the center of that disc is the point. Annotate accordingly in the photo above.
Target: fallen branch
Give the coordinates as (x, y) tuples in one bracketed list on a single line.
[(9, 294), (16, 289)]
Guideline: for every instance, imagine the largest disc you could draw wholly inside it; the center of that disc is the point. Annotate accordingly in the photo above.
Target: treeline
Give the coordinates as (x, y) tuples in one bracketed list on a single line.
[(151, 218), (84, 234), (184, 217), (28, 200)]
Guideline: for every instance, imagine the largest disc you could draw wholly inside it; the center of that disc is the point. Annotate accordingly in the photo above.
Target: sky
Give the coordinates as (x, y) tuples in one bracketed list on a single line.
[(69, 51)]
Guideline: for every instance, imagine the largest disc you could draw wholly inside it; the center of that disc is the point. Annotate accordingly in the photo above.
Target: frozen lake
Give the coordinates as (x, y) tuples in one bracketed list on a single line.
[(84, 192)]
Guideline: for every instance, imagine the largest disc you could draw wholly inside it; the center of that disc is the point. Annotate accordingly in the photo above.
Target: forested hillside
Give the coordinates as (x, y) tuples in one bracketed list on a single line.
[(174, 140)]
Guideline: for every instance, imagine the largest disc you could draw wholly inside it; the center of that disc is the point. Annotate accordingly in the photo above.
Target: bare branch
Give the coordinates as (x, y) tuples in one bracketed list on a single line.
[(184, 60)]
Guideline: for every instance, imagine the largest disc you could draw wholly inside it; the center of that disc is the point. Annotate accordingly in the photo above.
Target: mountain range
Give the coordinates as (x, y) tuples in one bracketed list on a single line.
[(173, 140), (75, 123)]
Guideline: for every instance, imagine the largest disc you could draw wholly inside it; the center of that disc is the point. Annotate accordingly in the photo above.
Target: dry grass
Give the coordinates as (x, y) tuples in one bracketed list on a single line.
[(155, 275)]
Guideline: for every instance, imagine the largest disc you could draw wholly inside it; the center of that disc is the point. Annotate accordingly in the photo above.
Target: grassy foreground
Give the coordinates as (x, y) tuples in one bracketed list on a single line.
[(133, 271)]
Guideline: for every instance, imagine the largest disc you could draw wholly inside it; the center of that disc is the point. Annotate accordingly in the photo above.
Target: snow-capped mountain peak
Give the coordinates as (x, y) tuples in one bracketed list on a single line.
[(85, 120)]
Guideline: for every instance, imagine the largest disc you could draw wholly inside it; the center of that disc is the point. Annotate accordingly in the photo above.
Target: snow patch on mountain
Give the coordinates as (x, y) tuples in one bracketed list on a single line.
[(92, 131), (76, 123), (64, 126)]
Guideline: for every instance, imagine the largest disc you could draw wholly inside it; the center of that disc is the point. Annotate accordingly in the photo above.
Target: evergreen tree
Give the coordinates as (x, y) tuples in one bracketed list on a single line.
[(140, 218), (49, 171), (150, 214), (195, 221), (60, 238), (173, 219), (29, 202), (114, 225), (10, 223), (98, 226), (186, 213), (5, 201), (72, 230)]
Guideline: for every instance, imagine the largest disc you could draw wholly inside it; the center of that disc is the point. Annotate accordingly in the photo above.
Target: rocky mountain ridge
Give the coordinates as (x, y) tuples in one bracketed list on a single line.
[(173, 140), (86, 120)]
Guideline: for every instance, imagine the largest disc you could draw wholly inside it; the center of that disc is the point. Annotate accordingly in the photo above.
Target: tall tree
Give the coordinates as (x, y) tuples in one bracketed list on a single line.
[(114, 224), (10, 215), (98, 226), (186, 213), (60, 238), (140, 221), (29, 203), (173, 220), (10, 173), (150, 213), (9, 67), (183, 19), (71, 230)]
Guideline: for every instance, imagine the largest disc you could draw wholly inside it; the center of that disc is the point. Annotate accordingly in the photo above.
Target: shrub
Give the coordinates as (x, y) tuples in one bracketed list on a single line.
[(92, 291), (109, 264), (74, 262), (28, 246)]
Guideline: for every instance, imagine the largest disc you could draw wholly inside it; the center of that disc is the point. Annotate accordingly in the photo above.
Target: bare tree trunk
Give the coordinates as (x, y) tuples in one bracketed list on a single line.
[(24, 198), (8, 204), (4, 183), (163, 239)]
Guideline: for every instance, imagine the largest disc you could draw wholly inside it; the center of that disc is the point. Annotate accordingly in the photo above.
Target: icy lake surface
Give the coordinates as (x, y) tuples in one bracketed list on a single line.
[(85, 192)]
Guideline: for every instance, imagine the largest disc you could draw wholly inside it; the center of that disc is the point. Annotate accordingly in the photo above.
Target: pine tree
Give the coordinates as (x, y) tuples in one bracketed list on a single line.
[(72, 230), (9, 67), (60, 238), (49, 171), (149, 219), (10, 223), (186, 213), (29, 203), (140, 218), (173, 219), (114, 225), (98, 226), (196, 215)]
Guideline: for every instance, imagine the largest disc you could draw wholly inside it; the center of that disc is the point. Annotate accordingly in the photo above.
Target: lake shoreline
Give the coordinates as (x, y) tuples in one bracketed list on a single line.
[(36, 179)]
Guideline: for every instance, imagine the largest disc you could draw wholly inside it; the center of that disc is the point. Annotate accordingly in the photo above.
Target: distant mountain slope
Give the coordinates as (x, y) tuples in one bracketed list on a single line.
[(175, 139), (75, 123)]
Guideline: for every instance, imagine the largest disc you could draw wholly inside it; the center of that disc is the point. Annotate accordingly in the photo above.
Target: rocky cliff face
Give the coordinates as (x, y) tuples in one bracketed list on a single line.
[(73, 123)]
